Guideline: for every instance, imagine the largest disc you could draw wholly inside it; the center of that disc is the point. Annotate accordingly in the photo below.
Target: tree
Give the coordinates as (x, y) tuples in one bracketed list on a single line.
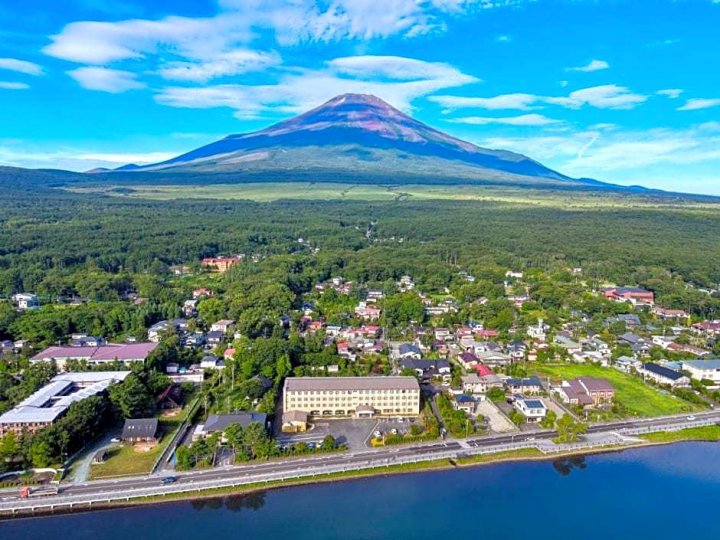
[(132, 398), (328, 443), (549, 421), (569, 430)]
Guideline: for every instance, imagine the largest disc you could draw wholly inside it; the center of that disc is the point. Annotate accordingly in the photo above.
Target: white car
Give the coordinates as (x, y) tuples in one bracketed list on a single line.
[(691, 418)]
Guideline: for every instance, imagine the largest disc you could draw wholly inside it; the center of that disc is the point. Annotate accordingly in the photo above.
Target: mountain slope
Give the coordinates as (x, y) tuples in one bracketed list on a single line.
[(356, 135)]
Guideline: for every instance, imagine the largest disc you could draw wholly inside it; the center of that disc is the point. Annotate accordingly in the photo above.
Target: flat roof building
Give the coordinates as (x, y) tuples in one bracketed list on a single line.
[(45, 406), (362, 397), (127, 353)]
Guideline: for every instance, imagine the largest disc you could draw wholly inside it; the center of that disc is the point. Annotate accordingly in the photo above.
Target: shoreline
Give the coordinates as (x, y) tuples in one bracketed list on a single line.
[(513, 456)]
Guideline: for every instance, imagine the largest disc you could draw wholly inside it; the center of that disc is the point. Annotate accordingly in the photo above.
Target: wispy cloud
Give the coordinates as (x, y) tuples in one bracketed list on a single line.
[(696, 104), (672, 93), (657, 157), (518, 101), (237, 22), (113, 81), (21, 154), (4, 85), (20, 66), (224, 64), (594, 65), (522, 120), (398, 80), (608, 96)]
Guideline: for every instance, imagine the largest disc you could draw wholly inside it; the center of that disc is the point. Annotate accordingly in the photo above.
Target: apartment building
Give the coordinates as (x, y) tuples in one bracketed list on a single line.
[(359, 397)]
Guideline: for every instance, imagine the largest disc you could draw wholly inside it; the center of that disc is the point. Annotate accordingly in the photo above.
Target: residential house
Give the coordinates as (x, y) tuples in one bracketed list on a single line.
[(525, 385), (218, 423), (140, 430), (707, 328), (567, 343), (533, 409), (708, 370), (668, 314), (467, 360), (586, 391), (212, 362), (538, 332), (664, 375), (215, 337), (627, 364), (25, 301), (477, 384), (463, 402), (631, 320), (409, 350), (638, 344), (428, 369), (222, 326), (494, 359)]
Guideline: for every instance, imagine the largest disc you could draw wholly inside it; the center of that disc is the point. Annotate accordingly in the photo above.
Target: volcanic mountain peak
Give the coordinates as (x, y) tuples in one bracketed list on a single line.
[(353, 135)]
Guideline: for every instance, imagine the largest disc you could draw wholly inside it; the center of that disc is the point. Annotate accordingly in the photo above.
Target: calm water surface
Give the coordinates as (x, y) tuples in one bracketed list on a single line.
[(657, 493)]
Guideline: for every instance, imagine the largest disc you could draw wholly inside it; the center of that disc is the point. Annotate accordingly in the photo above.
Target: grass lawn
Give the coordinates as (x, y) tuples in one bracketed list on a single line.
[(638, 398), (706, 433), (123, 460)]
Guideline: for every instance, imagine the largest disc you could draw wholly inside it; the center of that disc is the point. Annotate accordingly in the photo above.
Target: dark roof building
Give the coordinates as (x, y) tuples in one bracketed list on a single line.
[(140, 429), (217, 423)]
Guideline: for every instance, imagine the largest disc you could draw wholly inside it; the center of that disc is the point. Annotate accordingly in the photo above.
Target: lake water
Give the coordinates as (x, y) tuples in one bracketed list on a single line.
[(659, 493)]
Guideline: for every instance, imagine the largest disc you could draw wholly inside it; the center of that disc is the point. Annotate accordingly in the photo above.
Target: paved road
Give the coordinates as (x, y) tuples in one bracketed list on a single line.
[(352, 460)]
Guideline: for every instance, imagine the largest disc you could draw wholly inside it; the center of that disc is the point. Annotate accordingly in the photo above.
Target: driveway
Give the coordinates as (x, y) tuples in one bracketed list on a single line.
[(81, 466), (499, 423)]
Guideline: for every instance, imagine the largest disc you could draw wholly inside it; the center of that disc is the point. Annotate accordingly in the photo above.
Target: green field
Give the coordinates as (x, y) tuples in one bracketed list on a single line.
[(638, 398), (708, 433), (326, 191)]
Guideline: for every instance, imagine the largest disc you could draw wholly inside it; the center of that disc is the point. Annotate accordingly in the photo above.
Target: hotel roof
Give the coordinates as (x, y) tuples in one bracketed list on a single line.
[(295, 384)]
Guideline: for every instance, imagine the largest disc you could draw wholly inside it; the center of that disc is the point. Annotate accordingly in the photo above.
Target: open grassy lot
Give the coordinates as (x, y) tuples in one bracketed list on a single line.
[(124, 460), (707, 433), (638, 398), (323, 191)]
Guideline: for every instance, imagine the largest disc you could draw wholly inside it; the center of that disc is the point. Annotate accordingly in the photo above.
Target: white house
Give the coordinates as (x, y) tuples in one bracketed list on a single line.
[(25, 301), (534, 409), (703, 369)]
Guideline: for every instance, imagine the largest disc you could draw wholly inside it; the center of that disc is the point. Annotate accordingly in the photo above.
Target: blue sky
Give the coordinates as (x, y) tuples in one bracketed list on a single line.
[(618, 90)]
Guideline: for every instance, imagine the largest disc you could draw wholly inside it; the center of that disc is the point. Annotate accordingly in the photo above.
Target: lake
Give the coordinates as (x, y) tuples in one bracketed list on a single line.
[(665, 492)]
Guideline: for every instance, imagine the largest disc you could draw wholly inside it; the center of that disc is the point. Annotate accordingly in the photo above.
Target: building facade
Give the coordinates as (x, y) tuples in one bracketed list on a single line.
[(360, 397)]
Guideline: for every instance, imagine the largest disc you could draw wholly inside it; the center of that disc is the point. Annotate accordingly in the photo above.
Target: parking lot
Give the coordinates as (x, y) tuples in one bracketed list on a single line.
[(351, 432)]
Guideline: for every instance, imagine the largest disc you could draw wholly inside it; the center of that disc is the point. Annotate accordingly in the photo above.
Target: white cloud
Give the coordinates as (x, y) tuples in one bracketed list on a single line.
[(507, 101), (113, 81), (20, 154), (666, 158), (13, 86), (594, 65), (696, 104), (402, 81), (672, 93), (608, 96), (225, 64), (522, 120), (238, 21), (21, 66)]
